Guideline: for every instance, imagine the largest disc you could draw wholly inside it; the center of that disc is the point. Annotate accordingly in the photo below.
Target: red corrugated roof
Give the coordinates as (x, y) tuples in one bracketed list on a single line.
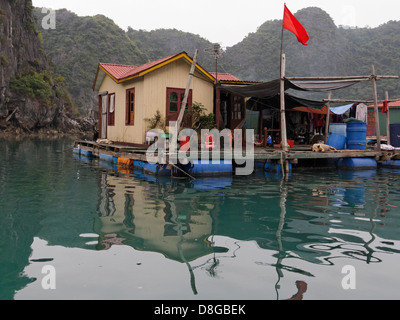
[(391, 104), (120, 71), (153, 63), (225, 76)]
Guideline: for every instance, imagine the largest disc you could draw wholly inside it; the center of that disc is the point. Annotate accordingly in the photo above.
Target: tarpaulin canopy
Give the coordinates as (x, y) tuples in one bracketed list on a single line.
[(269, 92), (324, 110), (323, 85), (341, 109), (290, 102)]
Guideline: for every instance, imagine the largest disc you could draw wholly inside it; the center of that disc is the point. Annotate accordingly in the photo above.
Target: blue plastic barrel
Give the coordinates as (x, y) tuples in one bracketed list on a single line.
[(392, 164), (208, 167), (336, 141), (395, 134), (356, 135), (338, 128), (357, 163)]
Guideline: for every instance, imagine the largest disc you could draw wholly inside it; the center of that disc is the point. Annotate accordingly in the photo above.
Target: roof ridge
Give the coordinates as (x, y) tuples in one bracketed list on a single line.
[(117, 64), (222, 73), (149, 64), (122, 72)]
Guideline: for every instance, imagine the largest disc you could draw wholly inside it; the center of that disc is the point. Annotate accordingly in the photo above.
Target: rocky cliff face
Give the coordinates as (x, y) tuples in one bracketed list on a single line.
[(32, 97)]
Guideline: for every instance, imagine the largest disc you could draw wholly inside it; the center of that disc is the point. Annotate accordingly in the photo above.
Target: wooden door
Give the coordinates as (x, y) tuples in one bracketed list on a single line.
[(130, 107), (103, 116)]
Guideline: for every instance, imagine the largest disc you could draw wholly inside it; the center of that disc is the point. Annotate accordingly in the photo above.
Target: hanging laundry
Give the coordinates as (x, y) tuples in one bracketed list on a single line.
[(385, 108), (353, 111), (319, 123), (362, 112)]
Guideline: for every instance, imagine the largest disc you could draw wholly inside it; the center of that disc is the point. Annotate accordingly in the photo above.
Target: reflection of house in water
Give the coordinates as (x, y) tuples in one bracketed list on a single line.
[(303, 220), (152, 217)]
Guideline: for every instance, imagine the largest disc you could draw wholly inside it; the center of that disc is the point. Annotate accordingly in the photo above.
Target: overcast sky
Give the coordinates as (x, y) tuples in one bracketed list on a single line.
[(224, 21)]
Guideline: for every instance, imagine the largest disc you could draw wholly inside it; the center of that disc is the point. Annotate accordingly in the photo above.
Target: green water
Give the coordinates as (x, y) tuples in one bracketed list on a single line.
[(118, 234)]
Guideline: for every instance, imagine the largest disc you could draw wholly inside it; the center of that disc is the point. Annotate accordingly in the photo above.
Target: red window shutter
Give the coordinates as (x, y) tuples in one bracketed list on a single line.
[(174, 102), (130, 107), (111, 115), (127, 107)]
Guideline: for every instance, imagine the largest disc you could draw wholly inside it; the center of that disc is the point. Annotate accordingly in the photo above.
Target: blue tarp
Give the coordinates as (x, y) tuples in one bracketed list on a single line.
[(341, 109)]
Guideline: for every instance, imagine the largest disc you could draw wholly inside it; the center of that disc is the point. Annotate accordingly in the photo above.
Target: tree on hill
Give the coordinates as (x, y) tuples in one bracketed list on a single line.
[(80, 43)]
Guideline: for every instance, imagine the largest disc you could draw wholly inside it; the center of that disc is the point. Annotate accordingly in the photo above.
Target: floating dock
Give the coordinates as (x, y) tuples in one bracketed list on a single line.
[(268, 159)]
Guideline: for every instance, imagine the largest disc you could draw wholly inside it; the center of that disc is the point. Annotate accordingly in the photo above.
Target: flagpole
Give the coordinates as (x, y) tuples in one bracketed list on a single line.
[(282, 96), (281, 47)]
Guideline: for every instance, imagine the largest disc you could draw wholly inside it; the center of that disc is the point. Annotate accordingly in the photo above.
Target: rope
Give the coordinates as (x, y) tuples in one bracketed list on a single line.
[(182, 170)]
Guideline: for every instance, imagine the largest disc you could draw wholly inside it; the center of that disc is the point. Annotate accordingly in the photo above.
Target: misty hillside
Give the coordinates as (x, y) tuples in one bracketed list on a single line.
[(331, 51), (79, 43)]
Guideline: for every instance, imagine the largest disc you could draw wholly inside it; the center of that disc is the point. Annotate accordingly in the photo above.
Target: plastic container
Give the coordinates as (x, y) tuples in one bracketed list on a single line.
[(108, 158), (205, 167), (338, 128), (336, 141), (356, 135), (395, 134), (391, 164), (290, 143), (357, 163)]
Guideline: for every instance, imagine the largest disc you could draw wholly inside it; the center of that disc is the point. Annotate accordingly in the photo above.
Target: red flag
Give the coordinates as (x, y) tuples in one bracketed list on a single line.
[(292, 24)]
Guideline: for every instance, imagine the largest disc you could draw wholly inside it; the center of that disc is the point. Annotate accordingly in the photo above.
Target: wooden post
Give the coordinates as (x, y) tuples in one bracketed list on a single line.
[(173, 143), (283, 109), (388, 120), (218, 107), (375, 92), (328, 116), (185, 99)]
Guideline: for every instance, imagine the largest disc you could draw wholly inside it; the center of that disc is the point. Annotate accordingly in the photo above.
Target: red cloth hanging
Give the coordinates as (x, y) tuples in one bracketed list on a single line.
[(385, 108)]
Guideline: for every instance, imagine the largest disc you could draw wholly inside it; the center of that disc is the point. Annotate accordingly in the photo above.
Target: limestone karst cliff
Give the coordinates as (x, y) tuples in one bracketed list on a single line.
[(32, 97)]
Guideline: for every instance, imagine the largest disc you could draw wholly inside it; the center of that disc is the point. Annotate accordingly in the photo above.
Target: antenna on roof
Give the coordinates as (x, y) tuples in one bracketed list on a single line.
[(216, 51)]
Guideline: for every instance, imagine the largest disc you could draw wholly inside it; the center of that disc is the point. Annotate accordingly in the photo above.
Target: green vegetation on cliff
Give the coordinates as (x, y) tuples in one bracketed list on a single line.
[(79, 43)]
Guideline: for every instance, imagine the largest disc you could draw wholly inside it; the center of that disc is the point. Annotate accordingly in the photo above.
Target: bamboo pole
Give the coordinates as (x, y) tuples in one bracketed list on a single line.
[(328, 117), (173, 142), (355, 101), (284, 164), (376, 111), (283, 111), (388, 120), (354, 78), (185, 99)]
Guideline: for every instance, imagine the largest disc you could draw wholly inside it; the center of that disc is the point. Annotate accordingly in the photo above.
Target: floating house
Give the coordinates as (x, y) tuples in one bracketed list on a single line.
[(130, 94)]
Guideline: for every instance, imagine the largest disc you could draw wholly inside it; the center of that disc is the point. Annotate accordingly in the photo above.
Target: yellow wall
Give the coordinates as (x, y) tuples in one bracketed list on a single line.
[(151, 95)]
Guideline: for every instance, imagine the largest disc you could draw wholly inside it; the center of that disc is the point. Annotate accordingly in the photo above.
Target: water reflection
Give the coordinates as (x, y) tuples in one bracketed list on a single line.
[(257, 237), (317, 222)]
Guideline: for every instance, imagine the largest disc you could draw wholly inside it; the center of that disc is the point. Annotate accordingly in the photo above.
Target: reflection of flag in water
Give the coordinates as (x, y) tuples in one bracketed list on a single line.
[(292, 24), (210, 144)]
